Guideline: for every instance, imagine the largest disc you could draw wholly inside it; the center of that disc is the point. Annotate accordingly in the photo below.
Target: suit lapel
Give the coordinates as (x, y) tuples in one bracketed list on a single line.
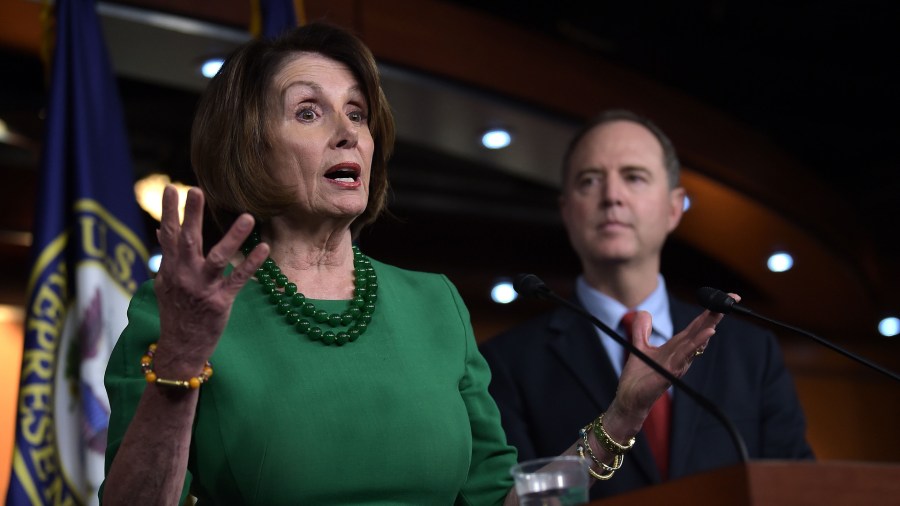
[(576, 344)]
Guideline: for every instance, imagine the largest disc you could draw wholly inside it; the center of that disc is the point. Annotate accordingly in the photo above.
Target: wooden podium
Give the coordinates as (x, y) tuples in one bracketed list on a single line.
[(775, 483)]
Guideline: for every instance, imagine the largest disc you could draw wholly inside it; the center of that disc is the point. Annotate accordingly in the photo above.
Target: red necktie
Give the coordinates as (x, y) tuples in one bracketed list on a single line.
[(656, 426)]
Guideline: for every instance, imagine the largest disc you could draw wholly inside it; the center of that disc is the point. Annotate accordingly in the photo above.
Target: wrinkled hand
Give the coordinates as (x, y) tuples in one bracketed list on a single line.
[(639, 385), (193, 295)]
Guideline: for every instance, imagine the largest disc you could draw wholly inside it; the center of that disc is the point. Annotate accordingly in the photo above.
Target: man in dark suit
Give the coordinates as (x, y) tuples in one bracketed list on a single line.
[(551, 376)]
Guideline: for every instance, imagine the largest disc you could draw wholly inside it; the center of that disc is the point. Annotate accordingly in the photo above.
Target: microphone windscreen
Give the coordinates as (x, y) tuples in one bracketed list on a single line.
[(528, 284), (715, 300)]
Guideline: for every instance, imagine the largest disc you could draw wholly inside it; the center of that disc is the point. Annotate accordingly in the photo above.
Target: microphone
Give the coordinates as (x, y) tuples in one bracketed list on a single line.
[(531, 285), (721, 302)]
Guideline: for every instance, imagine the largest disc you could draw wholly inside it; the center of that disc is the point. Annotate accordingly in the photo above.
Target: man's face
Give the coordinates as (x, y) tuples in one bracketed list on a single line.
[(616, 202)]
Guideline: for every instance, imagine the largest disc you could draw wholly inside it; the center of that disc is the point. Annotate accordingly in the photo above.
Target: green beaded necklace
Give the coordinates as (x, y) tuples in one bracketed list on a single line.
[(303, 315)]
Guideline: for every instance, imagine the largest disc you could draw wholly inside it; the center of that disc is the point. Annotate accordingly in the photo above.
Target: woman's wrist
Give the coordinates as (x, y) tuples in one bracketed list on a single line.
[(621, 423)]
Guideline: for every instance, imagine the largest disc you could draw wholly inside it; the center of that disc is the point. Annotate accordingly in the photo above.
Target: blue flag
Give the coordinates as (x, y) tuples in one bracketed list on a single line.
[(270, 18), (88, 258), (277, 16)]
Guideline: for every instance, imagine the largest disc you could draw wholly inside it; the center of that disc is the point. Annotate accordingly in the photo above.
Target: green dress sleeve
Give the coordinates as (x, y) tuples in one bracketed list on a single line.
[(489, 479)]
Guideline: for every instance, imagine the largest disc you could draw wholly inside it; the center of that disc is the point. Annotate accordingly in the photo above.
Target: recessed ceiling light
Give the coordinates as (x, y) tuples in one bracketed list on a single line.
[(780, 262), (889, 327), (211, 67), (496, 138), (503, 292), (154, 261)]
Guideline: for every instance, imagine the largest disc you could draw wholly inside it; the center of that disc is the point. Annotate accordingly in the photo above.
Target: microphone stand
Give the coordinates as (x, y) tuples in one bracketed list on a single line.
[(532, 285), (717, 300)]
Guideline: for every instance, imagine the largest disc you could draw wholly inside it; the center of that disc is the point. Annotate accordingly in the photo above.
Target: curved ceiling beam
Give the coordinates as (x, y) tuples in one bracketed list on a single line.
[(742, 233)]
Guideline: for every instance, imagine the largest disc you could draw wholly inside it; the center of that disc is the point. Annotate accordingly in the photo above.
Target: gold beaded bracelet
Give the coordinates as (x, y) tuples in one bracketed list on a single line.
[(151, 377), (607, 442), (586, 445)]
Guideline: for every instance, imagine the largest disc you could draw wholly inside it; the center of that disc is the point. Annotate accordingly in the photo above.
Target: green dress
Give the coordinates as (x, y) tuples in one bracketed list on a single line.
[(400, 416)]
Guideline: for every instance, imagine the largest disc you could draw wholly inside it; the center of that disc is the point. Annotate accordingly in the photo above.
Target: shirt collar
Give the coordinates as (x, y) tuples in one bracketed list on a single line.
[(610, 312)]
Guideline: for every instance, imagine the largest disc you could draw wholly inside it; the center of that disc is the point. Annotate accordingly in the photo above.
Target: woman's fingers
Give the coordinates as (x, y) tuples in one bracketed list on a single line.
[(194, 296), (707, 320), (220, 254), (245, 270), (234, 238), (231, 242), (168, 224), (692, 341), (639, 385), (641, 328), (192, 226)]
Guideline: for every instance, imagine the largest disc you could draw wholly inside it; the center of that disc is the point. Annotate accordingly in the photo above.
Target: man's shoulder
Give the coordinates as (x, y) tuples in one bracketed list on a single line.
[(524, 334)]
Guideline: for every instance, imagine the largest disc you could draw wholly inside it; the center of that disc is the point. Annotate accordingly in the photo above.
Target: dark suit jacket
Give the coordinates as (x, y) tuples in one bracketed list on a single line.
[(551, 376)]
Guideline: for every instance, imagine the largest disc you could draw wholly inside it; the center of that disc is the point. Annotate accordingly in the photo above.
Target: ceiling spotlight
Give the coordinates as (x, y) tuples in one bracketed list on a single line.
[(154, 261), (780, 262), (211, 67), (503, 292), (889, 327), (496, 138)]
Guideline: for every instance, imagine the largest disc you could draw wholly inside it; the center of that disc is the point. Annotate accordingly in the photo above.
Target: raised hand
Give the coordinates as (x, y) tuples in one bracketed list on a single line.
[(639, 385), (193, 294)]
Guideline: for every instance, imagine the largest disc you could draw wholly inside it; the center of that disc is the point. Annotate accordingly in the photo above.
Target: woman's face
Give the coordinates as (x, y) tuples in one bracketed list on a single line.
[(321, 144)]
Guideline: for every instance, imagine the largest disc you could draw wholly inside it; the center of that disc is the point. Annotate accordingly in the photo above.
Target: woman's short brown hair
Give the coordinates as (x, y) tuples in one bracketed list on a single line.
[(230, 135)]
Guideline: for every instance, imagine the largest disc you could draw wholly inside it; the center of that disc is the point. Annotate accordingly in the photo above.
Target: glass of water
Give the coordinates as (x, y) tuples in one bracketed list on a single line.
[(552, 481)]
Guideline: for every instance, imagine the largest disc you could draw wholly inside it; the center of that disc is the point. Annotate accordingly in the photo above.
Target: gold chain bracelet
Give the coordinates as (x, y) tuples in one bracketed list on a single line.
[(586, 445), (608, 443)]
